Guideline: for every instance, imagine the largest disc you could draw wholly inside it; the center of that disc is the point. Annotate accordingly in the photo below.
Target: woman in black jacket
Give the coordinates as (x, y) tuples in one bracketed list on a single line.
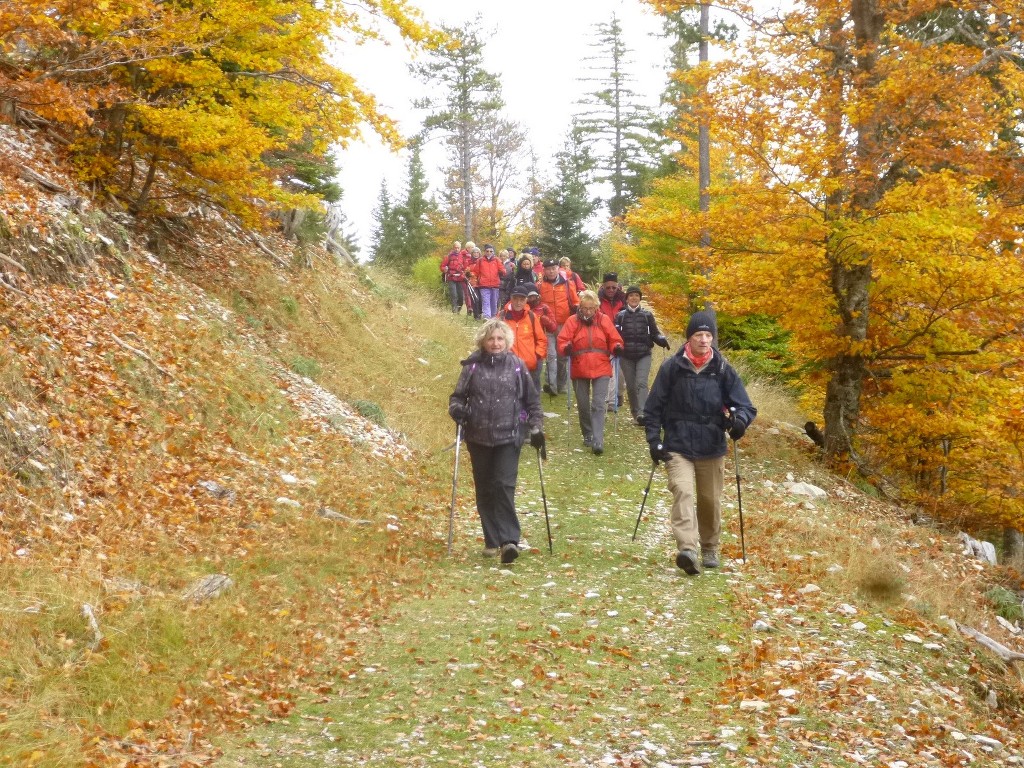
[(497, 404), (522, 274), (639, 332)]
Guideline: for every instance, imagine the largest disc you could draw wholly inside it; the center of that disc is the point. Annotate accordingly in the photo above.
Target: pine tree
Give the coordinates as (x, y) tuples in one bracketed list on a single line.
[(466, 95), (566, 207), (387, 241), (415, 214), (618, 129)]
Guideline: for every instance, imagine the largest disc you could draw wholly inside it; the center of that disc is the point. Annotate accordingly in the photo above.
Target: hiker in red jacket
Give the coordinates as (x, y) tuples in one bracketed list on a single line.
[(589, 338), (453, 268), (565, 268), (613, 301), (472, 256)]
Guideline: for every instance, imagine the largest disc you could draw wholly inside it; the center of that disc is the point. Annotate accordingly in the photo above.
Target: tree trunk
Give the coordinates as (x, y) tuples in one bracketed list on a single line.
[(1013, 546), (465, 179), (704, 135), (851, 267), (140, 202)]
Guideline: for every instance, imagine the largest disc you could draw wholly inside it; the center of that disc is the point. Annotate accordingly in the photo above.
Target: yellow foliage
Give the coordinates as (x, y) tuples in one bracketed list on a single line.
[(204, 91), (867, 196)]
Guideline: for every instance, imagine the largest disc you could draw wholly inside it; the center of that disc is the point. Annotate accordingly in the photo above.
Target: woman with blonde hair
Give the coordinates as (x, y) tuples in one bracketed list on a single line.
[(498, 406), (590, 341)]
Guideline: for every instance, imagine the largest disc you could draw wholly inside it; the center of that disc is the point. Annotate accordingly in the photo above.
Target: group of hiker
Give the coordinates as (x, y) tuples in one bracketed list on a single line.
[(482, 280), (597, 342)]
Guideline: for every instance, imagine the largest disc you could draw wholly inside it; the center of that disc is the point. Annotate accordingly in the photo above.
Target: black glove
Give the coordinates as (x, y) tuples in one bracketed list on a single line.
[(658, 453), (726, 420), (568, 350), (537, 440), (737, 429), (661, 341), (460, 413), (617, 351)]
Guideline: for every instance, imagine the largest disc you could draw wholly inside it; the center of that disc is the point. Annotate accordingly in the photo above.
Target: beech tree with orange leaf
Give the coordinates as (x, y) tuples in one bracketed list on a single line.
[(199, 95), (872, 203)]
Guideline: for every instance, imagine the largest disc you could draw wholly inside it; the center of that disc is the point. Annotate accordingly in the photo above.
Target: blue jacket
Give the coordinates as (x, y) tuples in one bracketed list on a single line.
[(686, 410)]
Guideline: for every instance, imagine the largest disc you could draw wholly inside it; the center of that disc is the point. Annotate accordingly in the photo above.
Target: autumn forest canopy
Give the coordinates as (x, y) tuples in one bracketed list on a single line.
[(858, 226)]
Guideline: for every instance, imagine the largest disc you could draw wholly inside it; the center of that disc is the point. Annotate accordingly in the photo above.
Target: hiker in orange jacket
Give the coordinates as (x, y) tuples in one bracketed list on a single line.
[(489, 270), (589, 338), (531, 342), (560, 295)]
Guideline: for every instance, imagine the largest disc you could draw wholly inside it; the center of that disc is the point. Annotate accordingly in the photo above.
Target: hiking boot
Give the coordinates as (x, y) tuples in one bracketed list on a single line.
[(588, 441), (549, 391), (639, 421), (687, 560), (598, 450), (509, 552), (491, 551), (709, 557)]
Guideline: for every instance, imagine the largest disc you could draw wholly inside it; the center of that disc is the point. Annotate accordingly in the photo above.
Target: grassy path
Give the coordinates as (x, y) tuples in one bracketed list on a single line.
[(600, 653)]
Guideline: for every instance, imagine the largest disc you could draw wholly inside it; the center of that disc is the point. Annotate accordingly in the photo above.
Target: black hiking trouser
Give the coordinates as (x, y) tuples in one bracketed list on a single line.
[(495, 470)]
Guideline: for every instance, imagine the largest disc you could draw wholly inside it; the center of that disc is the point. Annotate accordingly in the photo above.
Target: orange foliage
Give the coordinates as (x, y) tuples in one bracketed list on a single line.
[(870, 202), (196, 95)]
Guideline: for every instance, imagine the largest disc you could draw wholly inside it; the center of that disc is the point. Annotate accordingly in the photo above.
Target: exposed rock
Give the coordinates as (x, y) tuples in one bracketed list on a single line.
[(207, 588), (805, 489), (981, 550), (329, 514), (216, 490)]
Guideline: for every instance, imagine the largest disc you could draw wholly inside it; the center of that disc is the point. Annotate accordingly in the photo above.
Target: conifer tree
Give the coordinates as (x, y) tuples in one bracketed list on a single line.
[(565, 208), (462, 95), (617, 128), (386, 243), (415, 214)]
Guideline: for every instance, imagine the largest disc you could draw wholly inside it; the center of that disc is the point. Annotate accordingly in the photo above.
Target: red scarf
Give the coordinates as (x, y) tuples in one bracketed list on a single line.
[(698, 362)]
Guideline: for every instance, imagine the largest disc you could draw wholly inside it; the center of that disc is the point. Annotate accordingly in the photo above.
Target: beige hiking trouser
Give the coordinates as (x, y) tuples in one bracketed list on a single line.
[(700, 527)]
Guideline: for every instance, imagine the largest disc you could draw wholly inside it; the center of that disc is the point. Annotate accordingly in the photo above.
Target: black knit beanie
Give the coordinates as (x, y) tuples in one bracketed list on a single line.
[(702, 321)]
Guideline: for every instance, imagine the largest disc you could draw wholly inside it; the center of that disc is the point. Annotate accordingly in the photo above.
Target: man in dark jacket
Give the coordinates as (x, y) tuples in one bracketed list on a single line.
[(639, 332), (697, 396)]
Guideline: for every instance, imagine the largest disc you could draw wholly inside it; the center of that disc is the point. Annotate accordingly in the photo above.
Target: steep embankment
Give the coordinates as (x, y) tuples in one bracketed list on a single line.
[(154, 431)]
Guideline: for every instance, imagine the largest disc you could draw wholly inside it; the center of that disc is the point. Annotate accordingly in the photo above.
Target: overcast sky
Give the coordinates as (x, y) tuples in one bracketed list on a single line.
[(537, 49)]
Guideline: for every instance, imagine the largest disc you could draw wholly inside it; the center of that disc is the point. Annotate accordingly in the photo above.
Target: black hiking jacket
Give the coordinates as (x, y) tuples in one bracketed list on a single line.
[(496, 400), (686, 410), (639, 332)]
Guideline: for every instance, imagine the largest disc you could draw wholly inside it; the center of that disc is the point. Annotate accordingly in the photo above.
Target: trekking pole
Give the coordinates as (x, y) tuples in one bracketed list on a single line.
[(647, 490), (455, 480), (739, 500), (568, 384), (739, 493), (544, 498)]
